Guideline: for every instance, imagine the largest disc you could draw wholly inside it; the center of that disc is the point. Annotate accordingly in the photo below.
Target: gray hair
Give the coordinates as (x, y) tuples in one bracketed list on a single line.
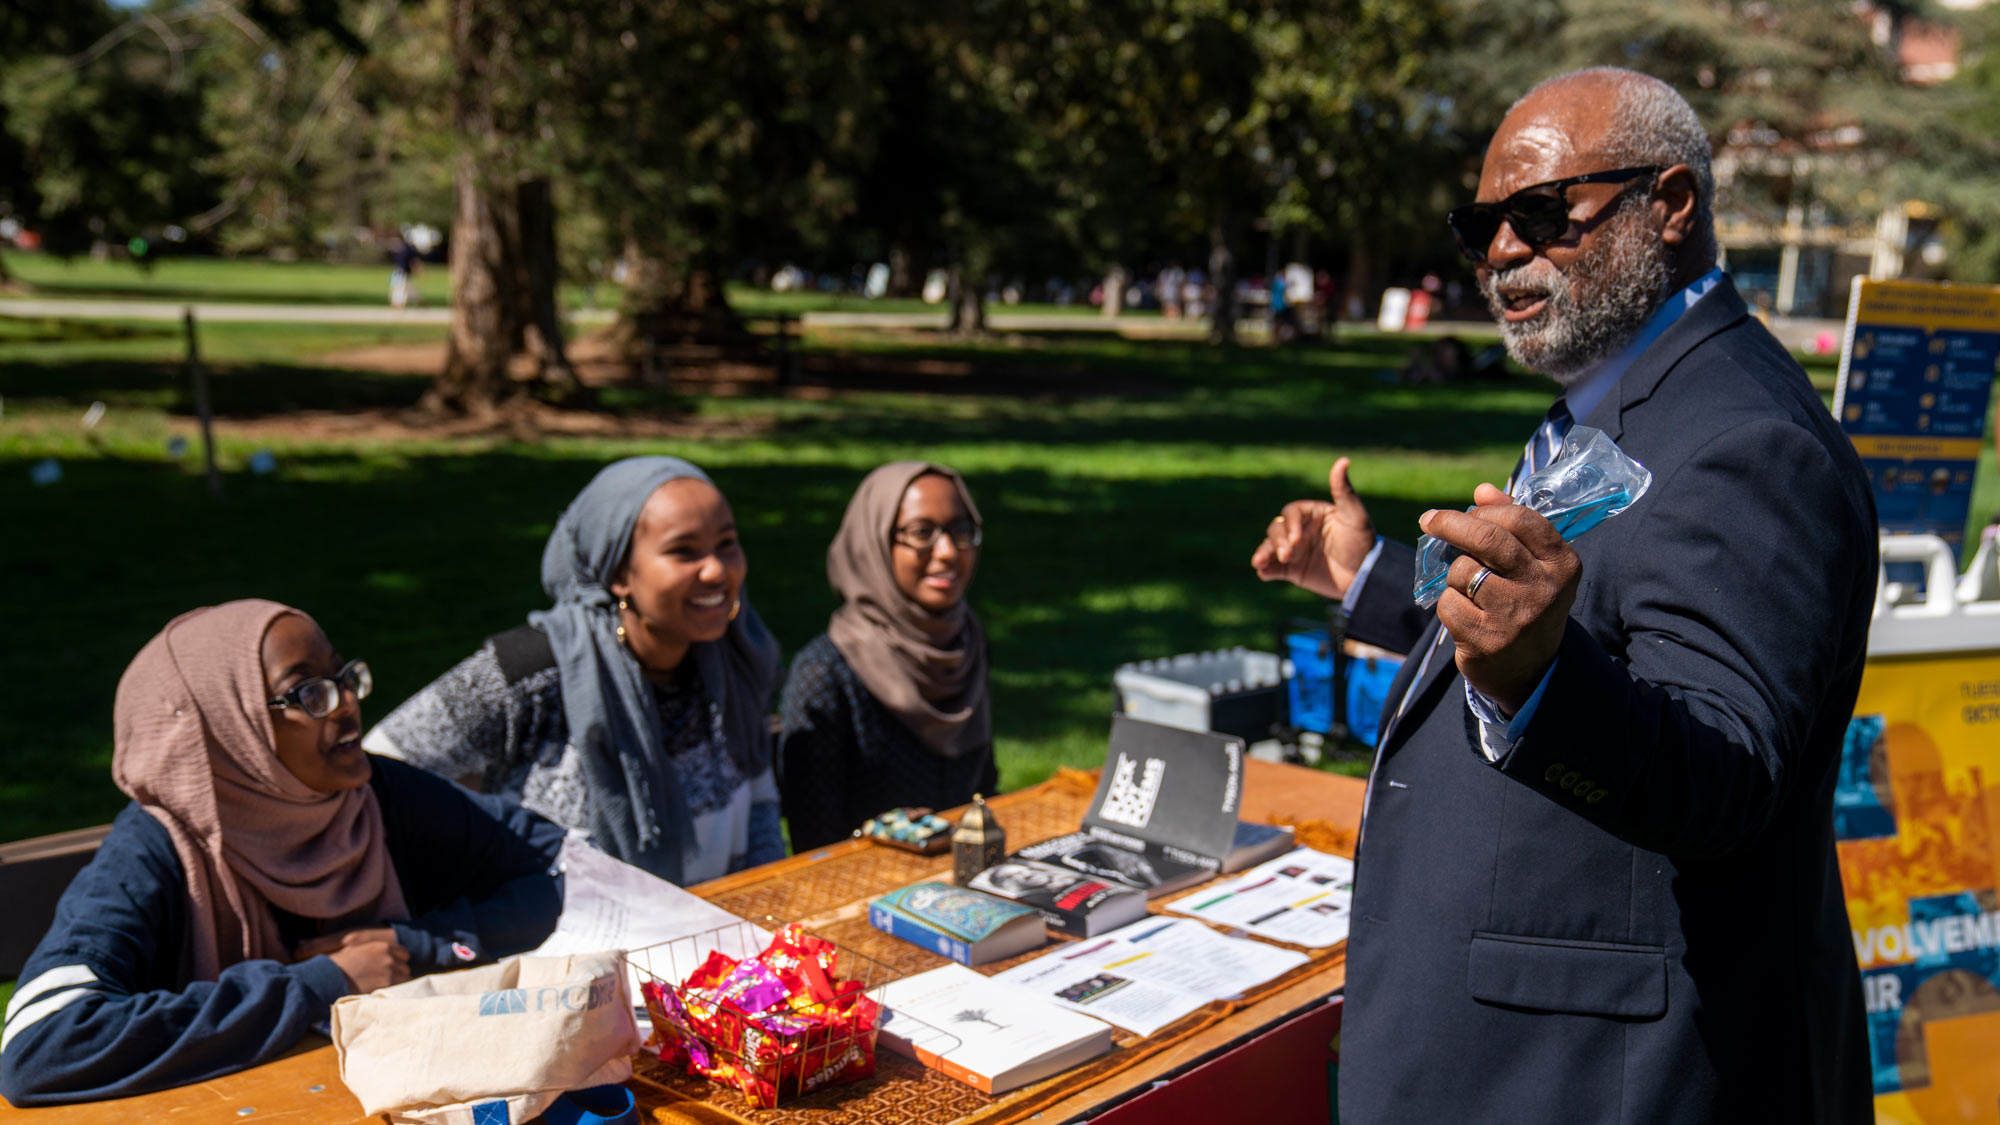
[(1650, 123)]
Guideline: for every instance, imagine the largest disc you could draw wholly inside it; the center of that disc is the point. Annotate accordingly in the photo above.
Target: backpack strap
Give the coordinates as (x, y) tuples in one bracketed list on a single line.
[(522, 651)]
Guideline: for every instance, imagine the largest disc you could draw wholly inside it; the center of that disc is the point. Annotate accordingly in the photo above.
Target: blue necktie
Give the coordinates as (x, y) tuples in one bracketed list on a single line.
[(1545, 444), (1540, 454)]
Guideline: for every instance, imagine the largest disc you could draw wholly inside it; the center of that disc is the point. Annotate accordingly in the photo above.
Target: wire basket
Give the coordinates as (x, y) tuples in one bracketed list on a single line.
[(801, 1044)]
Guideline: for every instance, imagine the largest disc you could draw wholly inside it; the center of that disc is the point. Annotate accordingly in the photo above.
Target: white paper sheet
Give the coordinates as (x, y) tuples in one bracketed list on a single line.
[(1145, 976), (1190, 956), (1077, 979), (1302, 897), (610, 904)]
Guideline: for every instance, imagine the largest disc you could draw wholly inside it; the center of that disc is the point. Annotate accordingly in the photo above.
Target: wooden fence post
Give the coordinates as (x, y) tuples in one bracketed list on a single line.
[(202, 411)]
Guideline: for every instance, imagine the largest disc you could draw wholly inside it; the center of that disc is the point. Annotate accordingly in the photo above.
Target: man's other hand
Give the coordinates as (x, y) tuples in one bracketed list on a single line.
[(1508, 631), (1318, 544)]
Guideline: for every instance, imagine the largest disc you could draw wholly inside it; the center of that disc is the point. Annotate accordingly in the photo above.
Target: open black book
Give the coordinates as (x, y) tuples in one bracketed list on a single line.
[(1164, 816)]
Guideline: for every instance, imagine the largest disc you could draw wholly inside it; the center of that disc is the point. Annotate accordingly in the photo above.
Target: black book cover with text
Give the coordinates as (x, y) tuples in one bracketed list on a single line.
[(1168, 790)]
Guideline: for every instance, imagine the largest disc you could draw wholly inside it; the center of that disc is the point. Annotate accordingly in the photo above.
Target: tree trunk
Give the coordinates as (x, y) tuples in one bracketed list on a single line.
[(904, 281), (484, 235), (539, 315), (672, 301), (1360, 288), (1222, 275), (485, 323), (967, 294), (503, 253)]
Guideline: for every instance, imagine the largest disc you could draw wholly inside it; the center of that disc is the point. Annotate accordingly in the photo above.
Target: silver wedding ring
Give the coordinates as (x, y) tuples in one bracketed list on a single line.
[(1478, 580)]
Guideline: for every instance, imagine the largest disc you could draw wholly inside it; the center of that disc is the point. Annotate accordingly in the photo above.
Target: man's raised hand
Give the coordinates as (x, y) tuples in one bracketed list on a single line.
[(1318, 544)]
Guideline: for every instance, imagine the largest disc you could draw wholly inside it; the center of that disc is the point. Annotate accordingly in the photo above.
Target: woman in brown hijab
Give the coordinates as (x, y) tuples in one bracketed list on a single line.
[(266, 866), (889, 707)]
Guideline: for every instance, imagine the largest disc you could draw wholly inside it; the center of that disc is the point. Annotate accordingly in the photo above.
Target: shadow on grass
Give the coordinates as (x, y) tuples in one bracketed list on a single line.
[(411, 562), (1090, 391), (236, 390)]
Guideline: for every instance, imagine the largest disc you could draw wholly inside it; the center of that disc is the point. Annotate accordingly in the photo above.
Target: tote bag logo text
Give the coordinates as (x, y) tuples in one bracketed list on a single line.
[(575, 998)]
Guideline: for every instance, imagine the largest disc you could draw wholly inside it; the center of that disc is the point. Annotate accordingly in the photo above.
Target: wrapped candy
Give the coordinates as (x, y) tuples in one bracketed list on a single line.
[(782, 1022)]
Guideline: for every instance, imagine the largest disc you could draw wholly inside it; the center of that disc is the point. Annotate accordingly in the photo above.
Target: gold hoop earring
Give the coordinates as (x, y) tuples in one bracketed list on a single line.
[(621, 619), (735, 607)]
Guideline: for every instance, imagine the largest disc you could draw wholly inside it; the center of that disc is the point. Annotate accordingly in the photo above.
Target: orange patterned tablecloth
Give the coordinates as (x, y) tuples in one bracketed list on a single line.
[(829, 889)]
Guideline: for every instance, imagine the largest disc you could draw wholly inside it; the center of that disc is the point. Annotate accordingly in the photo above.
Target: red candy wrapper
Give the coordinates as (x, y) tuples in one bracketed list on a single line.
[(782, 1022)]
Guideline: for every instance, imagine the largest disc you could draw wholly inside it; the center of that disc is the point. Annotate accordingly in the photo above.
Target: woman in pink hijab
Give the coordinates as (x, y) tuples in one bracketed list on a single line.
[(890, 706), (266, 867)]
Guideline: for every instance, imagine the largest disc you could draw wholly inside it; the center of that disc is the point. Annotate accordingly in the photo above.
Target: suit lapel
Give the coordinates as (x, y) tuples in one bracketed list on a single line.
[(1406, 685), (1714, 313)]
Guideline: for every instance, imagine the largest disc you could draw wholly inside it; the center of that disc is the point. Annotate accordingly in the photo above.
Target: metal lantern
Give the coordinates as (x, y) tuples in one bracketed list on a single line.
[(977, 843)]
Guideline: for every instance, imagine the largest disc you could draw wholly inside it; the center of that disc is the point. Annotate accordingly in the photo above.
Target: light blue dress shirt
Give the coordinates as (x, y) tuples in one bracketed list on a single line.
[(1497, 732)]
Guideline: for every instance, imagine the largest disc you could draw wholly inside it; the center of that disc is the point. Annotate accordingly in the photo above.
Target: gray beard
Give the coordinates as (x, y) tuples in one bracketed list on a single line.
[(1623, 279)]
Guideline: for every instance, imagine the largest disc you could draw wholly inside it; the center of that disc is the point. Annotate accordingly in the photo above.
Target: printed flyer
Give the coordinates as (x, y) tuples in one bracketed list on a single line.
[(1301, 897)]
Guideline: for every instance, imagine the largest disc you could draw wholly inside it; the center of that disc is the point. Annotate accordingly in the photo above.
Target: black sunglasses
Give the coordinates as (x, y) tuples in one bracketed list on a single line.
[(320, 696), (1539, 213)]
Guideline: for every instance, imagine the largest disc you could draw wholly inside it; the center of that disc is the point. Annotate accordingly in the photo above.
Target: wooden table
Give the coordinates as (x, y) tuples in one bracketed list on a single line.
[(829, 889)]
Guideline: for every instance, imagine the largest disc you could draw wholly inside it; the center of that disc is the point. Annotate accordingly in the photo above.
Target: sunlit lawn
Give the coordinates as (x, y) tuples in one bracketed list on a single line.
[(365, 283), (1124, 484)]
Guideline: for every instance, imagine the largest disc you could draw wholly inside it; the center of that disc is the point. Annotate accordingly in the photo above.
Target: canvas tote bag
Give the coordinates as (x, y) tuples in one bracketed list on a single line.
[(487, 1046)]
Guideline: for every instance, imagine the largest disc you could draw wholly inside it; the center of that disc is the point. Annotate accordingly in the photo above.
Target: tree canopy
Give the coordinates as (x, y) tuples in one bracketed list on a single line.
[(996, 139)]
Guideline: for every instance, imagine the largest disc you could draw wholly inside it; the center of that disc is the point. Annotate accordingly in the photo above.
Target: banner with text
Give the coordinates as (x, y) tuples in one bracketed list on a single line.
[(1917, 819), (1916, 375)]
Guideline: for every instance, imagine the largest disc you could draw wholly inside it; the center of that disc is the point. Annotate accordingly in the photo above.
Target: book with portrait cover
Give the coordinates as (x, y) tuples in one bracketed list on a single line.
[(1146, 868), (1073, 903), (962, 924)]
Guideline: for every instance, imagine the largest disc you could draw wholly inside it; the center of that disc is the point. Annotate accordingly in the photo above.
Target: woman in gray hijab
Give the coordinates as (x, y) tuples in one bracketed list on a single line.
[(890, 706), (634, 707)]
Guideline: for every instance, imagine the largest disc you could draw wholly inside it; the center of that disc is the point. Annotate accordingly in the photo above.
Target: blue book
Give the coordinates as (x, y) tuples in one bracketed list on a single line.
[(966, 926)]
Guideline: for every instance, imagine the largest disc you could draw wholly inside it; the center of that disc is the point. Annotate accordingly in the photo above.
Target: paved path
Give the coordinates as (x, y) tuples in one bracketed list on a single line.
[(1798, 333), (223, 312)]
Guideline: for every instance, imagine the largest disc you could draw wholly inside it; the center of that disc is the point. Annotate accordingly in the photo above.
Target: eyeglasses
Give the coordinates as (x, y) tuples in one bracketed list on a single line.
[(922, 535), (1539, 213), (320, 696)]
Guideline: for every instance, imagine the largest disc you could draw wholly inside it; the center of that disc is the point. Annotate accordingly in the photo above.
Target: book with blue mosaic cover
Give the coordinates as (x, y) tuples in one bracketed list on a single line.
[(964, 925)]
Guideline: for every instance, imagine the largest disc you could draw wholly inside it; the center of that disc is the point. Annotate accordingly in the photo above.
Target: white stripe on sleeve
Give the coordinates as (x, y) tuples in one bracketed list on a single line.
[(47, 994)]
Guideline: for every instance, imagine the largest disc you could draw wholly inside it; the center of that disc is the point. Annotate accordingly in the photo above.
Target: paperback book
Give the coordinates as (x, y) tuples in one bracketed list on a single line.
[(987, 1035), (957, 922), (1073, 903)]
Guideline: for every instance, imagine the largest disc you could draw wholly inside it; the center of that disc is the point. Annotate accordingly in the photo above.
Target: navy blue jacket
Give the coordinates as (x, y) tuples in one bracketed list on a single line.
[(1636, 914), (106, 1006)]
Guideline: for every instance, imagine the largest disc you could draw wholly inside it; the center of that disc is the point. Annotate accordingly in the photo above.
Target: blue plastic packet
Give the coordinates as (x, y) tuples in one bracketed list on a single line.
[(1590, 481)]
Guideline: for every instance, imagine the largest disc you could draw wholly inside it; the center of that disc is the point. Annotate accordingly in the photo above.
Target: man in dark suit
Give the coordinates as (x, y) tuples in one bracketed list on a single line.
[(1596, 877)]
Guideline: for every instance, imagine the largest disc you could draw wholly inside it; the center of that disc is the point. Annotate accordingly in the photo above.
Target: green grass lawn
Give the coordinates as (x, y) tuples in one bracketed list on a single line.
[(348, 283), (1124, 484)]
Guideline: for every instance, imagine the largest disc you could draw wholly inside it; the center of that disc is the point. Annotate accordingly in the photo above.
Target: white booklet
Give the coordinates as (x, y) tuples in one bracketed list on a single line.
[(1151, 973), (987, 1035), (1302, 897)]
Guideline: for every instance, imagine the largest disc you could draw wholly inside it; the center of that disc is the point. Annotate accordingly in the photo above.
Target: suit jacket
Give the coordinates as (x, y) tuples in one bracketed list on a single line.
[(1636, 914)]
